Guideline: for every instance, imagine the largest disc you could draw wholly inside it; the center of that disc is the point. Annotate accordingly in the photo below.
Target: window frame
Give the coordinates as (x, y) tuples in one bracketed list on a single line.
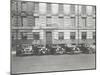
[(83, 10), (84, 19), (36, 7), (84, 37), (61, 8), (25, 4), (36, 34), (74, 23), (61, 35), (49, 7), (72, 35), (94, 10), (48, 23), (61, 20), (72, 9), (94, 35), (22, 20), (36, 20), (23, 35)]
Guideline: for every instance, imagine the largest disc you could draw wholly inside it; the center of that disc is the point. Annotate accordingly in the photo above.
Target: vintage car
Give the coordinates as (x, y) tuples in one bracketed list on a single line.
[(75, 50), (43, 51), (91, 49), (27, 49), (59, 50), (87, 49), (67, 48), (84, 49)]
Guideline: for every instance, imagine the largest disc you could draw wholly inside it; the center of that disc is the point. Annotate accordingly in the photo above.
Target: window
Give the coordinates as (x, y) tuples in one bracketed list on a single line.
[(84, 35), (94, 21), (94, 36), (23, 35), (94, 10), (72, 21), (61, 21), (72, 9), (13, 35), (36, 21), (36, 7), (14, 5), (48, 7), (84, 22), (14, 21), (24, 6), (36, 36), (31, 21), (72, 35), (48, 21), (83, 10), (61, 8), (24, 21), (29, 35), (61, 35)]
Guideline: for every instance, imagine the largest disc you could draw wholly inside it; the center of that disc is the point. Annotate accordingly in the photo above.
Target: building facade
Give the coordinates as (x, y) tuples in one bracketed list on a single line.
[(52, 23)]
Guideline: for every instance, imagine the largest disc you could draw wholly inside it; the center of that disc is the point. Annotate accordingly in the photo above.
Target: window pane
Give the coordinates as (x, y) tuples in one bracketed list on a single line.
[(25, 22), (29, 36), (61, 21), (24, 6), (14, 21), (48, 8), (84, 35), (83, 10), (94, 36), (94, 10), (36, 9), (13, 35), (23, 35), (14, 6), (48, 21), (60, 8), (72, 21), (84, 22), (61, 35), (72, 35), (36, 36), (94, 21), (36, 21), (72, 9), (31, 21)]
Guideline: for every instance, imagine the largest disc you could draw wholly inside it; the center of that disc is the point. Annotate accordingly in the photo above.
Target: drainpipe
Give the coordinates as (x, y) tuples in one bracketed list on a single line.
[(17, 24), (78, 23)]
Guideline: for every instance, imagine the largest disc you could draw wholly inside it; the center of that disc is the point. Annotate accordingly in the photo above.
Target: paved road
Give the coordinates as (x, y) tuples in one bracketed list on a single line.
[(52, 63)]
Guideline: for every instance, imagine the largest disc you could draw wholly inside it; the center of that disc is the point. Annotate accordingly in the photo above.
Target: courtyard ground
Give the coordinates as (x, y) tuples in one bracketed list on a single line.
[(29, 64)]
